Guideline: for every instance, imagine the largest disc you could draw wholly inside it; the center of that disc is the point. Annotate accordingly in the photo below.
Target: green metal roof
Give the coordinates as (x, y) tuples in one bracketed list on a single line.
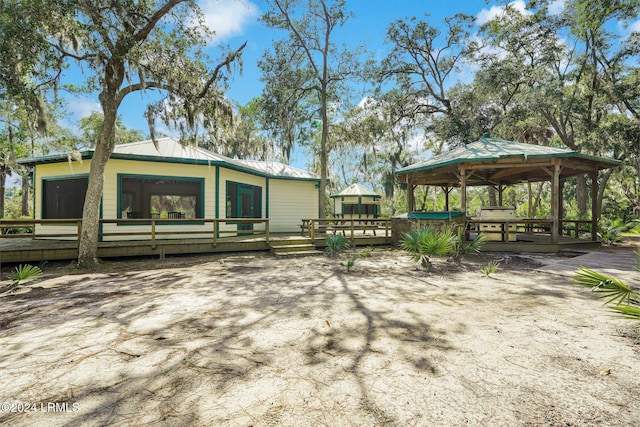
[(356, 190), (489, 149)]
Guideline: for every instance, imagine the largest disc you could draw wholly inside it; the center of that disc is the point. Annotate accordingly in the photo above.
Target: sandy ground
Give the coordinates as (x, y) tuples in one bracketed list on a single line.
[(250, 340)]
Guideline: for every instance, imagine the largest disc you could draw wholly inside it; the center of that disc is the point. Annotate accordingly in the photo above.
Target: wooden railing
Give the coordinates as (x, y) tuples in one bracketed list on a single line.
[(320, 226), (151, 233), (528, 226)]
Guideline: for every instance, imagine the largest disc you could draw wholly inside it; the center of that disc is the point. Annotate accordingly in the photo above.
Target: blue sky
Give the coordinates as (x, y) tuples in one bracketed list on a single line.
[(237, 21)]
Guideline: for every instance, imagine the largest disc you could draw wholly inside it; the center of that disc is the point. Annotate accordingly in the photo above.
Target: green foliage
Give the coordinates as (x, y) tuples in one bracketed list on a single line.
[(336, 243), (619, 296), (428, 242), (611, 233), (490, 268), (460, 247), (351, 261), (25, 273)]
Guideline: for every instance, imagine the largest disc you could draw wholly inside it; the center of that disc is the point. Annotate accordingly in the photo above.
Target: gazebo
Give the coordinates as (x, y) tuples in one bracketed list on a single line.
[(500, 163), (356, 201)]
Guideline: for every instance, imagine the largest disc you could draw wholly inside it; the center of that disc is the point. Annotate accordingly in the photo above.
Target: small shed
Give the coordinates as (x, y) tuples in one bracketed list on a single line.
[(356, 201)]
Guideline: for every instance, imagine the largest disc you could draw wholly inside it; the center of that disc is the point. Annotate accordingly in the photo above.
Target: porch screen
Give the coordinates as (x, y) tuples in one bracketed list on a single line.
[(63, 198), (160, 197), (243, 200)]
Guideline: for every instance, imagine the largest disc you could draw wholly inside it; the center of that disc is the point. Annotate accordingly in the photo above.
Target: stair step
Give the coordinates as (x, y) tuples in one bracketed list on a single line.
[(291, 242), (297, 253), (293, 248)]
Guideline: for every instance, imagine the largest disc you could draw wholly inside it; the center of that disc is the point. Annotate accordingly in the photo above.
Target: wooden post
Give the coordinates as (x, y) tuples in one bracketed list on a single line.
[(560, 205), (312, 231), (79, 224), (555, 209), (352, 233), (594, 206), (500, 190), (463, 190), (153, 234), (215, 232), (266, 229), (530, 208)]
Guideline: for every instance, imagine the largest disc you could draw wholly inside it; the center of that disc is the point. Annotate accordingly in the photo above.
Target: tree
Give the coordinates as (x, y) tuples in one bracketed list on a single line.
[(128, 47), (305, 73), (91, 126), (424, 60)]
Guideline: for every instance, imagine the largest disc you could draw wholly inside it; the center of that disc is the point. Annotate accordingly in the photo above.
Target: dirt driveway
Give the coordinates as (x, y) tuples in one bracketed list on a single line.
[(248, 340)]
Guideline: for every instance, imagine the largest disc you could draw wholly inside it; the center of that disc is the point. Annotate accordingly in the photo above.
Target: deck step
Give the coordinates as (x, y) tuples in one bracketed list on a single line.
[(293, 248), (297, 254), (301, 241)]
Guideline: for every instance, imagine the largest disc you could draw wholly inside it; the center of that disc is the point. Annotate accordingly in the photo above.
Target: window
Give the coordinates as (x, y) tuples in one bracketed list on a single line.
[(160, 197), (243, 200), (63, 198)]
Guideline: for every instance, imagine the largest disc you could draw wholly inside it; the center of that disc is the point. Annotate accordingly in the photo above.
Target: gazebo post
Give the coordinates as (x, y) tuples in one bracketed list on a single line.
[(594, 205), (555, 208), (530, 200), (500, 189), (560, 205), (463, 189)]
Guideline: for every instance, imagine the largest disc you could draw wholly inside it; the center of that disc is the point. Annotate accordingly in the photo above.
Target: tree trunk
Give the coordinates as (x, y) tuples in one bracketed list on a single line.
[(26, 191), (601, 188), (581, 195), (88, 248), (3, 180), (492, 195)]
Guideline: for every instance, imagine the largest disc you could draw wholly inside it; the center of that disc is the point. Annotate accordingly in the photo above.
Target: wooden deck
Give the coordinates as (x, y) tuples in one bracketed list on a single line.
[(20, 250)]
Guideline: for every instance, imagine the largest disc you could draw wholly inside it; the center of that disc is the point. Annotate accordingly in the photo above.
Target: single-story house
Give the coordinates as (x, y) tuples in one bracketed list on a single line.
[(356, 201), (169, 180)]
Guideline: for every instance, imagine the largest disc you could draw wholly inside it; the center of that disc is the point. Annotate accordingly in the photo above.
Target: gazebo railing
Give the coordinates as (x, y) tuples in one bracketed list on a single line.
[(506, 228)]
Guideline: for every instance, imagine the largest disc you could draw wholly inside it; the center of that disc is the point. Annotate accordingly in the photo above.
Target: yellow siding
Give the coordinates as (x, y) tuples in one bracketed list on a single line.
[(291, 201)]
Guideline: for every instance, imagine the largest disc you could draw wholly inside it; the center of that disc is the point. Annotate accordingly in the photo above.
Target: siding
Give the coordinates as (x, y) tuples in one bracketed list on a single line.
[(290, 202)]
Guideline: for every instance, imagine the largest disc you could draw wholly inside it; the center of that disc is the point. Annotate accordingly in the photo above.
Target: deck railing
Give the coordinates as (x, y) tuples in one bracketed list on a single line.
[(152, 233), (322, 226)]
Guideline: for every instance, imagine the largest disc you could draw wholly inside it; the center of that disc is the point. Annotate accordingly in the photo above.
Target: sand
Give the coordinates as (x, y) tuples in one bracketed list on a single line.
[(251, 340)]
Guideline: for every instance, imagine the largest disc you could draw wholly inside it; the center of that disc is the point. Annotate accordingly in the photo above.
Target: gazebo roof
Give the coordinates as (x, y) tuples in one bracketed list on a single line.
[(356, 190), (497, 161)]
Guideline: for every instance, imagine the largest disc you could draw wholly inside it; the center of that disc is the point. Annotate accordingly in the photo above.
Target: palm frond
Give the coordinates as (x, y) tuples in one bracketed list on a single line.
[(629, 311), (616, 291)]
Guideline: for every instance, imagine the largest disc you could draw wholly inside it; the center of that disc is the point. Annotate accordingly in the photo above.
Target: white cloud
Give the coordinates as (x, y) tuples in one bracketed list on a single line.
[(556, 7), (228, 17), (486, 15), (83, 107), (634, 27)]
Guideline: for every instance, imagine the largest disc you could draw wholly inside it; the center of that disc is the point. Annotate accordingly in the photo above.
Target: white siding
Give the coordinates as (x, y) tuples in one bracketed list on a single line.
[(290, 202)]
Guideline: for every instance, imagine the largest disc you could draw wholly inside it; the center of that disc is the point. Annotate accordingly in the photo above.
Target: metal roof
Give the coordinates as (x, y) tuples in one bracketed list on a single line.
[(489, 149), (169, 150), (356, 190)]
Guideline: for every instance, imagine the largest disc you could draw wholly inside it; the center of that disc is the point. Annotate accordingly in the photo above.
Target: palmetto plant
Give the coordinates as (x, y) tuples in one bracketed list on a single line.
[(619, 296), (25, 273), (336, 243), (428, 242), (461, 248)]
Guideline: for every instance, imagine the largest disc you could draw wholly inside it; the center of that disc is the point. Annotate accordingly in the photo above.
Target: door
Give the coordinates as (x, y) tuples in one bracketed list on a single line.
[(245, 208)]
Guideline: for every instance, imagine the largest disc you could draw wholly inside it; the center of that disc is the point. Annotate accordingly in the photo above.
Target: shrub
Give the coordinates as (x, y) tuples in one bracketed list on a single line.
[(336, 243), (490, 268), (427, 242)]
